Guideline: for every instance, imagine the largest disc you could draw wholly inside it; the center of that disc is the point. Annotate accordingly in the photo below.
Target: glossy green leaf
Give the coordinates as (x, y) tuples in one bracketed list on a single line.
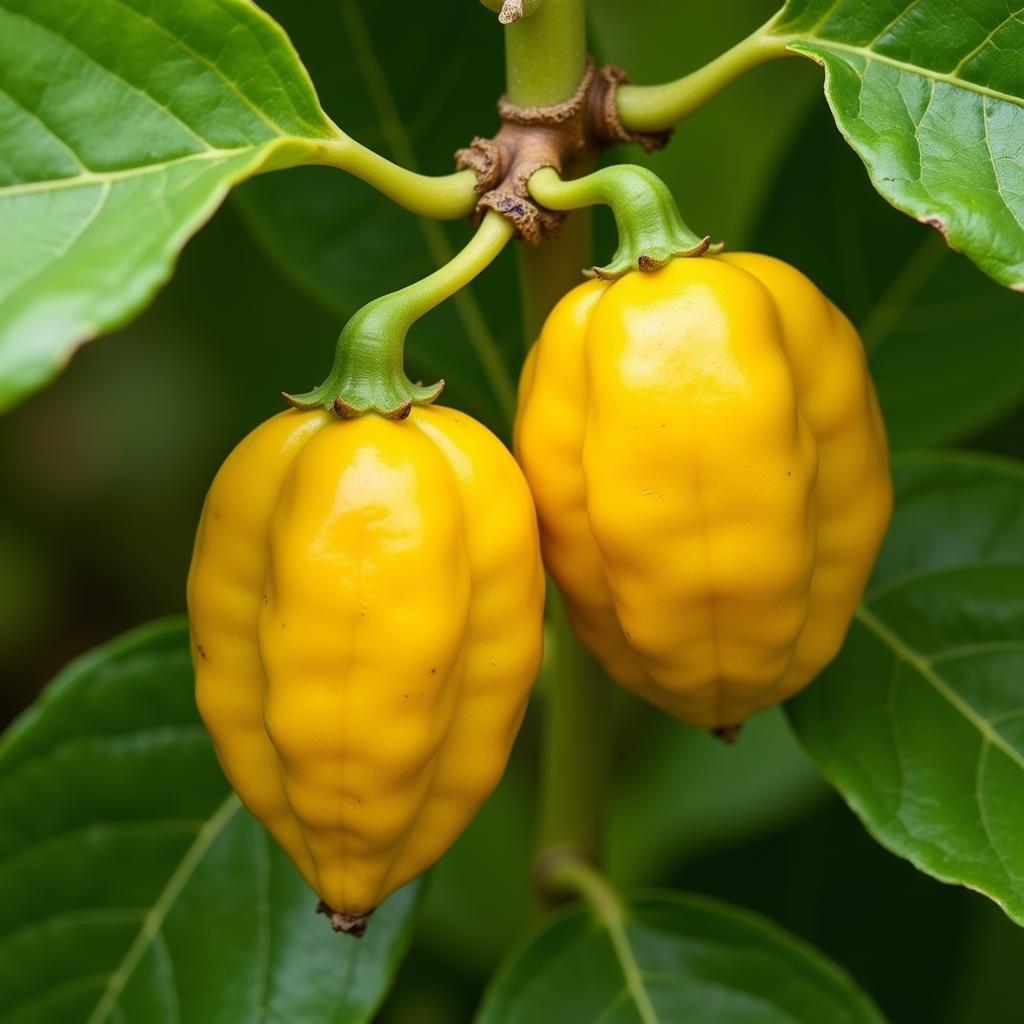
[(930, 93), (123, 123), (919, 723), (344, 243), (670, 958), (943, 339), (135, 888)]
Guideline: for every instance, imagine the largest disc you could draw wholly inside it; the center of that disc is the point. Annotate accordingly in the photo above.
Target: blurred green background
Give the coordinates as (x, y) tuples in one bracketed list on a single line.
[(102, 477)]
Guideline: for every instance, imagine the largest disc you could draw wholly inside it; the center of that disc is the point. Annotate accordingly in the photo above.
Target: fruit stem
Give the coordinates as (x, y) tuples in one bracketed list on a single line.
[(369, 373), (651, 231)]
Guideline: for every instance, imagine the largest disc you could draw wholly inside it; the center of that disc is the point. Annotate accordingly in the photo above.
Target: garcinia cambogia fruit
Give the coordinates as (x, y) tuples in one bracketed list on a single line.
[(711, 476), (365, 602)]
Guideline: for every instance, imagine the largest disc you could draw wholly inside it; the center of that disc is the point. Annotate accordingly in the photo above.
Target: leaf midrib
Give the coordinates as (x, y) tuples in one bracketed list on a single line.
[(99, 178), (232, 86), (609, 913), (948, 78), (278, 130), (155, 918), (926, 669)]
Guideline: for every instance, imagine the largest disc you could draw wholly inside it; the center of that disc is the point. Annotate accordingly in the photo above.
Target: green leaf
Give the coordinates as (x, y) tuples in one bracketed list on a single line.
[(667, 957), (919, 723), (345, 244), (930, 93), (943, 339), (134, 887), (123, 124)]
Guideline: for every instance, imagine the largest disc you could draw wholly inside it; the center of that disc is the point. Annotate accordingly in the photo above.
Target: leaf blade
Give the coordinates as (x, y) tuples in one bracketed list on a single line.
[(932, 100), (692, 957), (135, 888), (921, 711), (112, 163)]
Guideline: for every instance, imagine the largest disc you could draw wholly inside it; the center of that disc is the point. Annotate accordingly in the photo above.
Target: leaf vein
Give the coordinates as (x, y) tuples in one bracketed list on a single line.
[(995, 165), (926, 670), (100, 177), (914, 69), (886, 29), (68, 987), (161, 908), (34, 115), (151, 824), (212, 65), (1012, 16), (61, 251), (162, 952), (979, 785), (110, 73)]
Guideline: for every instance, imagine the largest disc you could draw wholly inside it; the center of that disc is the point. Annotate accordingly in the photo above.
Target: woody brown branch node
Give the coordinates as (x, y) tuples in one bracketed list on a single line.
[(567, 136)]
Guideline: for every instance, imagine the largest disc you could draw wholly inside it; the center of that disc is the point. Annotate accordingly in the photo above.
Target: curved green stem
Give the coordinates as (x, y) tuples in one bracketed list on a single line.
[(446, 197), (456, 194), (651, 231), (653, 108), (580, 878), (369, 373)]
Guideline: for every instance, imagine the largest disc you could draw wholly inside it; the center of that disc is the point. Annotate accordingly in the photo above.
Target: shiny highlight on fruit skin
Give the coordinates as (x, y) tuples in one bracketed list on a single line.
[(365, 604), (711, 476)]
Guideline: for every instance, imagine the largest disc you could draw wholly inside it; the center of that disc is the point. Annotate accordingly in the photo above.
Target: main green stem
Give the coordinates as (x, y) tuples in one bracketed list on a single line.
[(546, 55), (575, 748)]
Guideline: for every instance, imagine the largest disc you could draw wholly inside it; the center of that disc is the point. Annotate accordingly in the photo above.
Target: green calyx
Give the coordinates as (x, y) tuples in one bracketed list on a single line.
[(368, 373), (369, 367), (651, 230)]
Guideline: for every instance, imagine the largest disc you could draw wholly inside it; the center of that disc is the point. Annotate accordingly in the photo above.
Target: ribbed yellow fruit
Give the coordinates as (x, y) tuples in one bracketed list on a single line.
[(711, 475), (365, 602)]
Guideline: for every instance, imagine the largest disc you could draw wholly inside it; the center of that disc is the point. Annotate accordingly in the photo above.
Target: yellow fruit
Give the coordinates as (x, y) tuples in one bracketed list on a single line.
[(711, 476), (365, 602)]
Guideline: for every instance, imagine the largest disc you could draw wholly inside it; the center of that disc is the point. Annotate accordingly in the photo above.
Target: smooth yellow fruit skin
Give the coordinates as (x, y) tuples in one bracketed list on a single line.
[(711, 476), (365, 602)]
